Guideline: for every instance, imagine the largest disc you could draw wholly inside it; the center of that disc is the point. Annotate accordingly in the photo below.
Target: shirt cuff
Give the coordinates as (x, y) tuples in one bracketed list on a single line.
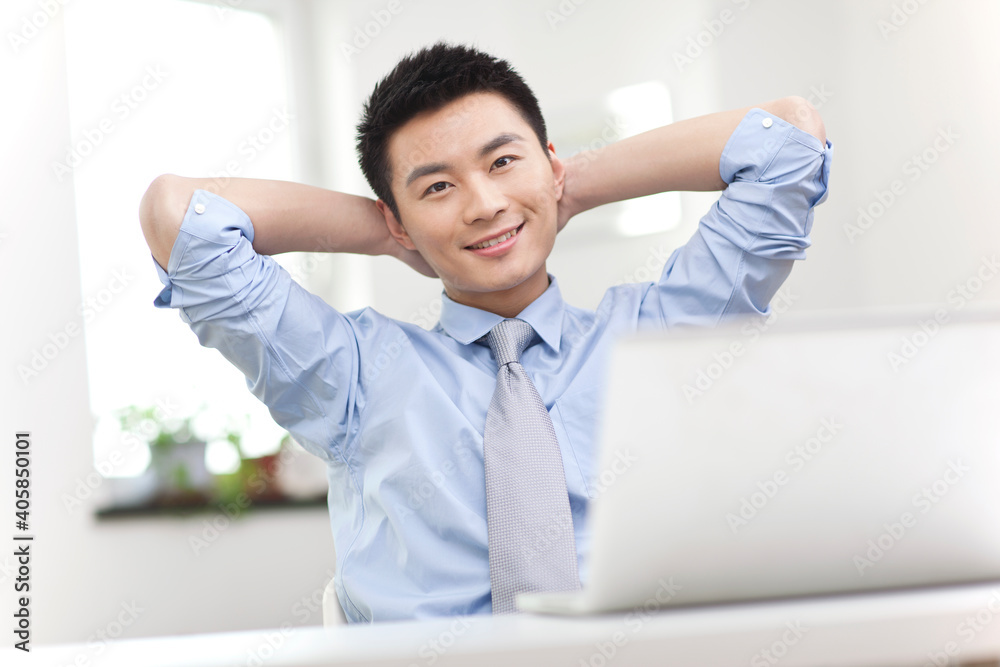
[(210, 222), (776, 174), (751, 151)]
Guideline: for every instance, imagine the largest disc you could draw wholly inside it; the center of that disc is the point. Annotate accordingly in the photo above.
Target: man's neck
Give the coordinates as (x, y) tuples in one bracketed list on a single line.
[(505, 303)]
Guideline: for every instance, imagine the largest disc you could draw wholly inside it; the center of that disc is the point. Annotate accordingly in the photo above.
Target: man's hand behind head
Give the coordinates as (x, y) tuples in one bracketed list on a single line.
[(415, 261)]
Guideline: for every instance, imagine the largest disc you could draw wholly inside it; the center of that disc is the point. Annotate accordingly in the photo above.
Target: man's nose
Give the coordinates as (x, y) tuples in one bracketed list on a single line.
[(485, 200)]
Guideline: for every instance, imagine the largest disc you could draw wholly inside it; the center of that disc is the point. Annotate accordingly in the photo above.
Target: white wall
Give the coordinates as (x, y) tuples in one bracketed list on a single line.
[(889, 98)]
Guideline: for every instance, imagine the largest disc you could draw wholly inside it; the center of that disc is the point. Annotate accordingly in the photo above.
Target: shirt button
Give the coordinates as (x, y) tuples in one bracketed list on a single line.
[(199, 208), (767, 122)]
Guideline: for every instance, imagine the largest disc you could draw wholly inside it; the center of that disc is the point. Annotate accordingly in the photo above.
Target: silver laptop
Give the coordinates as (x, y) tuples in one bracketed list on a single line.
[(815, 454)]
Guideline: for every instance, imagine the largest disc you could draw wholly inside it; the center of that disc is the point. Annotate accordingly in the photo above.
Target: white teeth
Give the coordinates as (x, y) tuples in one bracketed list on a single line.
[(493, 242)]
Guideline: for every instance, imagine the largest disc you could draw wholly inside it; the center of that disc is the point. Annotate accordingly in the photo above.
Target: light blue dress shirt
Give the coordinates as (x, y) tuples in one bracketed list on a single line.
[(397, 411)]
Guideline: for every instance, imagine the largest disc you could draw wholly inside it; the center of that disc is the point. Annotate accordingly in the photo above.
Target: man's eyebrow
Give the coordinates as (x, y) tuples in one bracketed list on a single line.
[(499, 141), (489, 147), (424, 170)]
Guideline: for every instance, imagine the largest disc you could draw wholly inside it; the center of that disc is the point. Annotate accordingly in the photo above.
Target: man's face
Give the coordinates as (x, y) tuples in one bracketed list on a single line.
[(467, 174)]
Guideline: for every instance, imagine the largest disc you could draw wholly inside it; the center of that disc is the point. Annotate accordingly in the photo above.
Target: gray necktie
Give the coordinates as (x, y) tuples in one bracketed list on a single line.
[(531, 539)]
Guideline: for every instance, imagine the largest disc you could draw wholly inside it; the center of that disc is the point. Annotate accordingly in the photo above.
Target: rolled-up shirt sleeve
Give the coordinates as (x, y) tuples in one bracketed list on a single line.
[(299, 355), (744, 247)]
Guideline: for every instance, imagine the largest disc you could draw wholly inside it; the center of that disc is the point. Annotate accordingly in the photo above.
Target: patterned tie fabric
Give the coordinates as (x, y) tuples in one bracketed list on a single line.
[(532, 546)]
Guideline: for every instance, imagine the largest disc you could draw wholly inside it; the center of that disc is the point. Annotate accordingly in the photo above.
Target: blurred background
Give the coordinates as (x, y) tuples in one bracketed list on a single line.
[(104, 95)]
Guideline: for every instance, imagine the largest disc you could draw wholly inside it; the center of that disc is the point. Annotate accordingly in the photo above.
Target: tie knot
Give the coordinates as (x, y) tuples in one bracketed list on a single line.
[(508, 340)]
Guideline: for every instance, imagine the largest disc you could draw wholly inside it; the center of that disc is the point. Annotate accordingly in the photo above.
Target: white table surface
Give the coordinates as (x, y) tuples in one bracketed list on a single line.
[(897, 628)]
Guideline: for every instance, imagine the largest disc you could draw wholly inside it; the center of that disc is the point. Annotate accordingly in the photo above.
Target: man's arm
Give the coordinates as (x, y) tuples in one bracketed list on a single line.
[(681, 156), (301, 357), (286, 217), (772, 163)]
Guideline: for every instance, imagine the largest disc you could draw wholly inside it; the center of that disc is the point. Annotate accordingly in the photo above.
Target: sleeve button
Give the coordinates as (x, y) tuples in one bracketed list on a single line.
[(199, 208)]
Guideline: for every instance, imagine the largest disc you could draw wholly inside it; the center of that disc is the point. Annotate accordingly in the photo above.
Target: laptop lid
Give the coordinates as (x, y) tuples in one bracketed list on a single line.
[(813, 454)]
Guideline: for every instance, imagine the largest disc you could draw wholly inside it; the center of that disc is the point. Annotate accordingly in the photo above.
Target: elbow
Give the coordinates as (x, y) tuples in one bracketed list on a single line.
[(153, 207), (802, 114), (161, 213)]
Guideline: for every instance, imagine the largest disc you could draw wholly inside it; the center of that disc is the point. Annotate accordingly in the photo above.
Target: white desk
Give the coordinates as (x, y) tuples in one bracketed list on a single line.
[(900, 628)]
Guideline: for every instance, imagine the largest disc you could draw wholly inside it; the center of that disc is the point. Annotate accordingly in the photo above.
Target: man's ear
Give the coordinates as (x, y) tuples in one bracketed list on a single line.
[(558, 172), (395, 227)]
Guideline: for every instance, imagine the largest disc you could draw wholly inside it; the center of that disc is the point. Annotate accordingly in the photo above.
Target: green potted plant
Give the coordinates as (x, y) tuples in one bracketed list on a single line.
[(177, 456), (254, 480), (177, 459)]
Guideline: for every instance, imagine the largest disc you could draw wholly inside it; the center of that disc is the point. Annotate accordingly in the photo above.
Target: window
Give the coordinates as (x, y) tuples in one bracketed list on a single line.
[(624, 112), (164, 86)]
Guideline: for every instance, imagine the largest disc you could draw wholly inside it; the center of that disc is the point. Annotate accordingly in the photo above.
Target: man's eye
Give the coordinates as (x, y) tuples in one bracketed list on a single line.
[(437, 187), (504, 161)]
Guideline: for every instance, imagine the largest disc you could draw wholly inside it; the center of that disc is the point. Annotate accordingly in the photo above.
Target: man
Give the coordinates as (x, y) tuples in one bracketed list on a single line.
[(469, 189)]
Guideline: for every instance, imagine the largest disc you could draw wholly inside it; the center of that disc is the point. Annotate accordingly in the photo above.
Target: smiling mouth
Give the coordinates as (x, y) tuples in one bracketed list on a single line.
[(495, 241)]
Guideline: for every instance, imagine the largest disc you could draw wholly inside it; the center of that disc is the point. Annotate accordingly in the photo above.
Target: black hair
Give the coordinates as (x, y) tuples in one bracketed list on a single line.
[(426, 81)]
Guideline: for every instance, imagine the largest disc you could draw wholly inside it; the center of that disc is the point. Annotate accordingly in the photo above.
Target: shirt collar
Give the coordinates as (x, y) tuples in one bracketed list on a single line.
[(545, 315)]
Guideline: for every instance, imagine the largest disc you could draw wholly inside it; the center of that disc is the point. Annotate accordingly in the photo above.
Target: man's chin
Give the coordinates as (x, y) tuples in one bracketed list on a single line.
[(485, 284)]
